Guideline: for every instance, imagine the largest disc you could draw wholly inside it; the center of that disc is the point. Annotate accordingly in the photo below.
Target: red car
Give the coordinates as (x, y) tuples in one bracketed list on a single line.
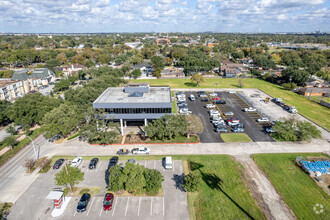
[(108, 200), (216, 98), (233, 120)]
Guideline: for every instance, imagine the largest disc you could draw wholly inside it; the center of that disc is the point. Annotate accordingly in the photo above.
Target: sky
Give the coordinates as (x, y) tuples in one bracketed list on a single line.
[(94, 16)]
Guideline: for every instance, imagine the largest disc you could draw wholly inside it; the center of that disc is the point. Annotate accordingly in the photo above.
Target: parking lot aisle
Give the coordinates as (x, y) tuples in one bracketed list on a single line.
[(145, 206), (133, 206), (97, 169), (173, 166), (89, 209), (151, 206), (157, 207)]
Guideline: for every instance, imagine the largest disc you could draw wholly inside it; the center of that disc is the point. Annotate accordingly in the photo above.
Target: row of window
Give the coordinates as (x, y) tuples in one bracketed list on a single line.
[(137, 110)]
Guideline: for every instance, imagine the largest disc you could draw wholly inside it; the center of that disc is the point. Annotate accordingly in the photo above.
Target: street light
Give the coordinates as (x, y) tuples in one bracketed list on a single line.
[(34, 149)]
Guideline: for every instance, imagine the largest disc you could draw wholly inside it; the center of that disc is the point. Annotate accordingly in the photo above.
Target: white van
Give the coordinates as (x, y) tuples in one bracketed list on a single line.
[(168, 164)]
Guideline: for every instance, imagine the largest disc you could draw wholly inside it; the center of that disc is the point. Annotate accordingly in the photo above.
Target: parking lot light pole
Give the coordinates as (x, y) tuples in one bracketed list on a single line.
[(34, 149)]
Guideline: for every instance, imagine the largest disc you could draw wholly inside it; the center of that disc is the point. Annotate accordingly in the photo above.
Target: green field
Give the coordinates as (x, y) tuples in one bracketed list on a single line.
[(233, 137), (313, 111), (299, 191), (222, 194)]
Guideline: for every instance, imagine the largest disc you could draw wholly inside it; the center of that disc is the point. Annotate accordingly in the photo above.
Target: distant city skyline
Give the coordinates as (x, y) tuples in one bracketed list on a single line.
[(102, 16)]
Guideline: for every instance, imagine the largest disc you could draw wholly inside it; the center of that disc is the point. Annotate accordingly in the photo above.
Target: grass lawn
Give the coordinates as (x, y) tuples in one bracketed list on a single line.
[(235, 137), (222, 194), (299, 191), (179, 139), (311, 110)]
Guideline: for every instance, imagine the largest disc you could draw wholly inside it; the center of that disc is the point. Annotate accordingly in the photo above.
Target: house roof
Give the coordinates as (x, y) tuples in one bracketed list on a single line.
[(4, 83), (20, 75), (314, 90), (144, 64), (42, 73)]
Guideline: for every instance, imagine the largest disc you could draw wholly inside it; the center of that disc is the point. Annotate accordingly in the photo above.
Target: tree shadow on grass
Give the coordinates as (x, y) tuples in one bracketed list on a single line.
[(190, 84), (236, 86), (215, 183)]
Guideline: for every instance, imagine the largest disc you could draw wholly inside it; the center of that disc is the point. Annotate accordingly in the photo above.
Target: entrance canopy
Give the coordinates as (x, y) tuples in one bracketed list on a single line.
[(55, 195)]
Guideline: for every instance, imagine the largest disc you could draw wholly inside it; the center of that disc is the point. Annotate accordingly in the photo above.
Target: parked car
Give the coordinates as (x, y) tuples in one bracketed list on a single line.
[(107, 202), (51, 83), (220, 102), (93, 163), (192, 97), (213, 94), (219, 123), (141, 150), (262, 120), (232, 92), (203, 95), (201, 92), (113, 162), (123, 151), (83, 202), (204, 100), (131, 160), (58, 163), (221, 129), (238, 125), (228, 113), (76, 161), (238, 130), (181, 103), (215, 113), (210, 106), (233, 123), (250, 109), (270, 130)]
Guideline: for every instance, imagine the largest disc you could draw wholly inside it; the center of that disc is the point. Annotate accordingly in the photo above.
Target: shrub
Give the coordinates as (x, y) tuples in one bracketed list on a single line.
[(84, 191), (191, 182), (29, 164)]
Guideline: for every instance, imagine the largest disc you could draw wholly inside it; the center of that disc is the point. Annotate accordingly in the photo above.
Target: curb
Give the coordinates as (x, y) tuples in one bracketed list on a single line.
[(148, 143)]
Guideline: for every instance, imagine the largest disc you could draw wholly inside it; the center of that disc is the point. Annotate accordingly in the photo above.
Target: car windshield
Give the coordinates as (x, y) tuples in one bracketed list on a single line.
[(82, 203), (107, 202)]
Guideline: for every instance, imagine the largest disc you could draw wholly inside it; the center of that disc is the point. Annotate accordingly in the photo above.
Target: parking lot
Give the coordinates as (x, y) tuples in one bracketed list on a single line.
[(234, 103), (172, 205)]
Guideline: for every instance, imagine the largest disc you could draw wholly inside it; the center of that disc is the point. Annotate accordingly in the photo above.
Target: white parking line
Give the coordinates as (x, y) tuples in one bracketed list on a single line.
[(115, 206), (101, 211), (139, 206), (75, 213), (90, 206), (98, 167), (126, 206), (163, 206), (173, 166), (151, 207)]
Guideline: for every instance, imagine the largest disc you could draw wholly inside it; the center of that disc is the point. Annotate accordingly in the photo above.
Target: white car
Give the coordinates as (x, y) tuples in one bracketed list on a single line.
[(218, 121), (75, 162), (210, 106), (262, 120), (141, 150), (215, 114), (213, 111), (213, 94), (185, 111), (250, 109), (232, 92), (232, 123), (192, 97), (203, 95), (228, 113)]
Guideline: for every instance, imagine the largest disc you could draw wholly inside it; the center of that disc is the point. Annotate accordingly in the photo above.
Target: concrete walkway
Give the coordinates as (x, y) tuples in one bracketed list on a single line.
[(263, 191)]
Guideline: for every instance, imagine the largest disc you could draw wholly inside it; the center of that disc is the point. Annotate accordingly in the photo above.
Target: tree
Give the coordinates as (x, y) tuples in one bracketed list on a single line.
[(307, 131), (11, 130), (154, 180), (31, 108), (4, 111), (240, 83), (289, 86), (136, 73), (89, 63), (62, 120), (29, 164), (10, 141), (294, 74), (69, 176), (195, 125), (135, 181), (197, 78), (191, 182), (53, 63), (62, 85), (158, 64), (116, 178)]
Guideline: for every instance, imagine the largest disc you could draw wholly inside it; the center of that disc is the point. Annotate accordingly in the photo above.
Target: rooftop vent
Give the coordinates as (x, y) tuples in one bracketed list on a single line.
[(135, 94)]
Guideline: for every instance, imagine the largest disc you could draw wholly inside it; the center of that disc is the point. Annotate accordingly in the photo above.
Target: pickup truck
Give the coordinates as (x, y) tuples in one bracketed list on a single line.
[(123, 151)]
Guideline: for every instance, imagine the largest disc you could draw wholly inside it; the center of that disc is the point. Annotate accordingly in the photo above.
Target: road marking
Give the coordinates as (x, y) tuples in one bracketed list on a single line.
[(151, 207), (90, 206), (115, 206), (75, 213), (101, 211), (126, 206), (163, 206), (98, 167), (139, 206)]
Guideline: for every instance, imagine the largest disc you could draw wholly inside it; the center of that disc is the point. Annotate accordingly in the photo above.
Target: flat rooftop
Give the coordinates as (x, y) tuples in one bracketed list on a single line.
[(117, 95), (4, 83)]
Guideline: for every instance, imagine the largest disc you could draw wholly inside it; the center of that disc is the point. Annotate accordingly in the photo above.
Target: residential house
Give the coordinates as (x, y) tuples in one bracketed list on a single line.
[(146, 69), (315, 83), (172, 72), (45, 75), (314, 91), (29, 83), (230, 69), (133, 45), (72, 69)]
